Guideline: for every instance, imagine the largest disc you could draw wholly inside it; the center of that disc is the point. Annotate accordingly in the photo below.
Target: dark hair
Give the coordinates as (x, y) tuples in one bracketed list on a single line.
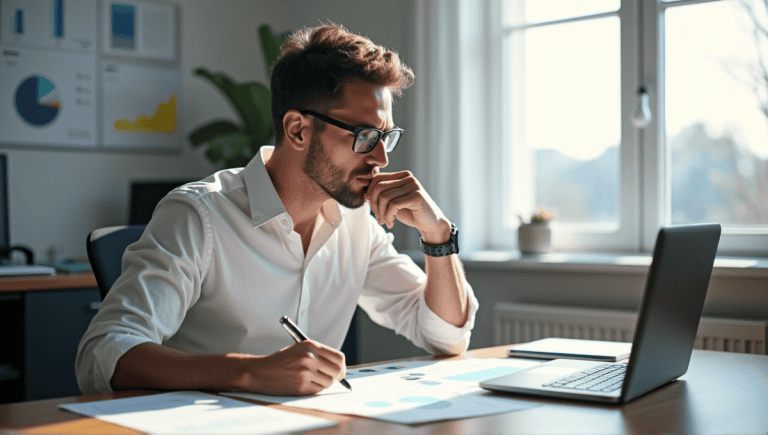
[(314, 63)]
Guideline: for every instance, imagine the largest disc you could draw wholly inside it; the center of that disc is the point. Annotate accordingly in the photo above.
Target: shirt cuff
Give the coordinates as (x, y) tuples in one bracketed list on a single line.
[(443, 336), (112, 347)]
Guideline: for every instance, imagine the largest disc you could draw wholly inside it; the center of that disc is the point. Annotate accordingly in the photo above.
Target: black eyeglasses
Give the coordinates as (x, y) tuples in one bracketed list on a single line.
[(366, 138)]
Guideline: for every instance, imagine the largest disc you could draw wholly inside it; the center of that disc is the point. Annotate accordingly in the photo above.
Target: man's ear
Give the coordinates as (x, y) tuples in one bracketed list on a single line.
[(297, 130)]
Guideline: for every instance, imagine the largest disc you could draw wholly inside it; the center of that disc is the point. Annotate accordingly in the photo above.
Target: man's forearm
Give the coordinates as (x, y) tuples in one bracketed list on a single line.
[(153, 366), (445, 293)]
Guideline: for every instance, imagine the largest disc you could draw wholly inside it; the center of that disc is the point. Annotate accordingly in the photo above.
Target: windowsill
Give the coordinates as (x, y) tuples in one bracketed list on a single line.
[(594, 263)]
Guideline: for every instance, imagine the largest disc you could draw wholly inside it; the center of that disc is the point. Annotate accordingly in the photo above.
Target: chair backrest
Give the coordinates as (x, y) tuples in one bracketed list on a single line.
[(105, 248)]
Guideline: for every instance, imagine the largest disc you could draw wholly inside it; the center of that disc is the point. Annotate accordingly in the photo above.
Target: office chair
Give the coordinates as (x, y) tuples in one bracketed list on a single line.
[(105, 248)]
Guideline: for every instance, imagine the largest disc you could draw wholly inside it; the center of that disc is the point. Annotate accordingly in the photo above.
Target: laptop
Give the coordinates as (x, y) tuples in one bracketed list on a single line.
[(666, 329), (25, 270)]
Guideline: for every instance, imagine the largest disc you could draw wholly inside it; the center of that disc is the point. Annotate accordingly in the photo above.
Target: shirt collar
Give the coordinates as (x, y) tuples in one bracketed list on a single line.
[(263, 198)]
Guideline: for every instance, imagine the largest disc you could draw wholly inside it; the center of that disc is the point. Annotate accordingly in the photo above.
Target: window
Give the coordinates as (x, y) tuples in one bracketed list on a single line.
[(572, 76)]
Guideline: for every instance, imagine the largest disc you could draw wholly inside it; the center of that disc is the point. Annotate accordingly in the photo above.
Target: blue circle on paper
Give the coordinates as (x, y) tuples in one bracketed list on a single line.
[(377, 404)]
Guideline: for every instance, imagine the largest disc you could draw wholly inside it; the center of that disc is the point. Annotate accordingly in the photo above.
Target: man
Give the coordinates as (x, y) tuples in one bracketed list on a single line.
[(198, 302)]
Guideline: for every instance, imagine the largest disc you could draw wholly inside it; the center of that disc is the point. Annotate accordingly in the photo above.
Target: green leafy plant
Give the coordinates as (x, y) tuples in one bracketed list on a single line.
[(233, 145)]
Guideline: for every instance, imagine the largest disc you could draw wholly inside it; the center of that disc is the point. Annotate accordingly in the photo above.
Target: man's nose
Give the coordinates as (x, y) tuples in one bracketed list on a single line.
[(378, 156)]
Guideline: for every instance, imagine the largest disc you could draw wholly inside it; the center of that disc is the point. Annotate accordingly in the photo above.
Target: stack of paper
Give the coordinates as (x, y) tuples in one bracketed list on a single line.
[(192, 412), (415, 392)]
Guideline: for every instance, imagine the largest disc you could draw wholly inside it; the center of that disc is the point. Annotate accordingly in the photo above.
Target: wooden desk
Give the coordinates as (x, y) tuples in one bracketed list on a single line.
[(59, 281), (721, 393), (43, 319)]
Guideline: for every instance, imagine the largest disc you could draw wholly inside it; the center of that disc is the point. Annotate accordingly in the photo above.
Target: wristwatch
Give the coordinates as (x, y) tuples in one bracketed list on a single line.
[(452, 247)]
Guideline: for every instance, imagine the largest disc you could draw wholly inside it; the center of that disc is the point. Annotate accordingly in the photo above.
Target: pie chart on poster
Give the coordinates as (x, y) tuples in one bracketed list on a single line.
[(37, 101)]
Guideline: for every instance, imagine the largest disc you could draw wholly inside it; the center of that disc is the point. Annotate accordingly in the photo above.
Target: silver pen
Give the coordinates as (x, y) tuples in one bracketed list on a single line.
[(299, 336)]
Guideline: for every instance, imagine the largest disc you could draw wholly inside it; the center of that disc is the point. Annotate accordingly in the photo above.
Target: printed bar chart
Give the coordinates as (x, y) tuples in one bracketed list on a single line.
[(123, 26), (18, 22), (58, 18)]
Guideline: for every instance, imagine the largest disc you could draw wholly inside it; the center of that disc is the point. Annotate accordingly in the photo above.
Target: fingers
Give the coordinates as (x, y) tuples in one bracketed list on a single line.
[(326, 363), (383, 180), (393, 200), (391, 207), (304, 368), (388, 193), (331, 359)]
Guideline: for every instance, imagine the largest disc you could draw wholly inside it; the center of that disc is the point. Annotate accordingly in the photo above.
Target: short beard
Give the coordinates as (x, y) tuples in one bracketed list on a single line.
[(318, 167)]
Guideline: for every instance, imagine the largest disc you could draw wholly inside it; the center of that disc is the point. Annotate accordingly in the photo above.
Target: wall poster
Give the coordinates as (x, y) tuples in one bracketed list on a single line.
[(89, 74)]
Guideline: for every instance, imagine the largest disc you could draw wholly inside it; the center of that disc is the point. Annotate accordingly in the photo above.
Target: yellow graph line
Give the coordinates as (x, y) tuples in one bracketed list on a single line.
[(163, 121)]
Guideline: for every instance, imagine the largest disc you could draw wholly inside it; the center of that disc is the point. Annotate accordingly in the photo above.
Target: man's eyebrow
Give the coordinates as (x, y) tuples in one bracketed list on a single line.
[(357, 124), (364, 125)]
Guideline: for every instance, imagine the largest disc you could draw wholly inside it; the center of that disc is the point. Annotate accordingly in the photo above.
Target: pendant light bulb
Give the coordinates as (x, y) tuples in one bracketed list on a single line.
[(642, 116)]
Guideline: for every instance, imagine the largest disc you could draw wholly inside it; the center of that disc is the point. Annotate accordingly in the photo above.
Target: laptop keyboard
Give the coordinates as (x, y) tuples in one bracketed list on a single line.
[(605, 378)]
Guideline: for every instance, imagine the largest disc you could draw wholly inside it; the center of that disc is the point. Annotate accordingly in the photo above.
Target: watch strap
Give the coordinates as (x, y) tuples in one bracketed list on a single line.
[(452, 247)]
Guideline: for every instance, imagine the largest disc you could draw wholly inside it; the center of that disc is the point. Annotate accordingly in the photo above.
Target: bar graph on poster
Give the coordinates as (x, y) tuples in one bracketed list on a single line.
[(163, 121), (140, 116), (60, 89)]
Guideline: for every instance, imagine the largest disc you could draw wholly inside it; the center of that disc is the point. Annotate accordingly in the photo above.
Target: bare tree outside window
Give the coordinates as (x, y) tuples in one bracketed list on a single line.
[(751, 187), (717, 112)]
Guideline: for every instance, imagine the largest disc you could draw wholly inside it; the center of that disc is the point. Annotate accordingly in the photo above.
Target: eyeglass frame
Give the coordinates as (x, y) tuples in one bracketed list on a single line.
[(356, 130)]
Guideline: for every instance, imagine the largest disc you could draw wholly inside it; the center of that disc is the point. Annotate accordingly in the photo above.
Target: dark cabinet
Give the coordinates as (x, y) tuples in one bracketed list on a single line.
[(54, 322), (43, 319), (11, 345)]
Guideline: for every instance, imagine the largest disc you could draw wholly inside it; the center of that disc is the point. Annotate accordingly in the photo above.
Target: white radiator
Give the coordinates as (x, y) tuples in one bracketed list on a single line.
[(520, 323)]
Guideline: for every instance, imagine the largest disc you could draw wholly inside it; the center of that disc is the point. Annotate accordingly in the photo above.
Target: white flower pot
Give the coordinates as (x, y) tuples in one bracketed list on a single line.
[(534, 238)]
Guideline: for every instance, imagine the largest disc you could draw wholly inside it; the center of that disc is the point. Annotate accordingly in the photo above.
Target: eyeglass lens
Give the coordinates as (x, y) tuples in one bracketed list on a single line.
[(367, 140)]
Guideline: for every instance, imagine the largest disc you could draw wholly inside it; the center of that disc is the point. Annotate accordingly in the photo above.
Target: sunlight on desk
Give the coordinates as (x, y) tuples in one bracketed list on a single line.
[(85, 426)]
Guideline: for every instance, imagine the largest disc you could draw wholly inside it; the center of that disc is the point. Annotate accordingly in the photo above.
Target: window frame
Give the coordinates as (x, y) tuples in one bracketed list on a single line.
[(644, 182), (733, 241)]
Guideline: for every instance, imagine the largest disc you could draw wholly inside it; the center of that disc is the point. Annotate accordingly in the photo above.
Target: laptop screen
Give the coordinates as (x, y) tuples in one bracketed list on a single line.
[(672, 306)]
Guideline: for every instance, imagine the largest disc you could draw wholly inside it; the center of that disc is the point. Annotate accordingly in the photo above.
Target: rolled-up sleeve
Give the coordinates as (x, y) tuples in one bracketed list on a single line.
[(393, 297), (161, 278)]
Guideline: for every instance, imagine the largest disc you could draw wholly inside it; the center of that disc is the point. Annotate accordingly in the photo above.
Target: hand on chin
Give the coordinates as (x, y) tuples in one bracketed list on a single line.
[(400, 196)]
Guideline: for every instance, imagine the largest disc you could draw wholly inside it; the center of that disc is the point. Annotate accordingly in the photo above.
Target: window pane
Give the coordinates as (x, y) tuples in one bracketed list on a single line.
[(566, 101), (536, 11), (717, 113)]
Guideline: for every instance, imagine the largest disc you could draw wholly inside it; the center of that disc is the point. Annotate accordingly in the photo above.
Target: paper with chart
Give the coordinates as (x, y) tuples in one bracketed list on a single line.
[(415, 391), (53, 24), (193, 412), (47, 98), (60, 88), (141, 29)]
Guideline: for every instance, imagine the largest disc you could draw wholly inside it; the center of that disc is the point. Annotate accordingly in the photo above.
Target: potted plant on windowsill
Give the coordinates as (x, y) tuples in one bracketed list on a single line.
[(535, 236), (233, 145)]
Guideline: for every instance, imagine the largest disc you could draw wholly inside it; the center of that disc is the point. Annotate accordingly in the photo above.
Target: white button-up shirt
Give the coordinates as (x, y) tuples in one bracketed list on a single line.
[(219, 264)]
